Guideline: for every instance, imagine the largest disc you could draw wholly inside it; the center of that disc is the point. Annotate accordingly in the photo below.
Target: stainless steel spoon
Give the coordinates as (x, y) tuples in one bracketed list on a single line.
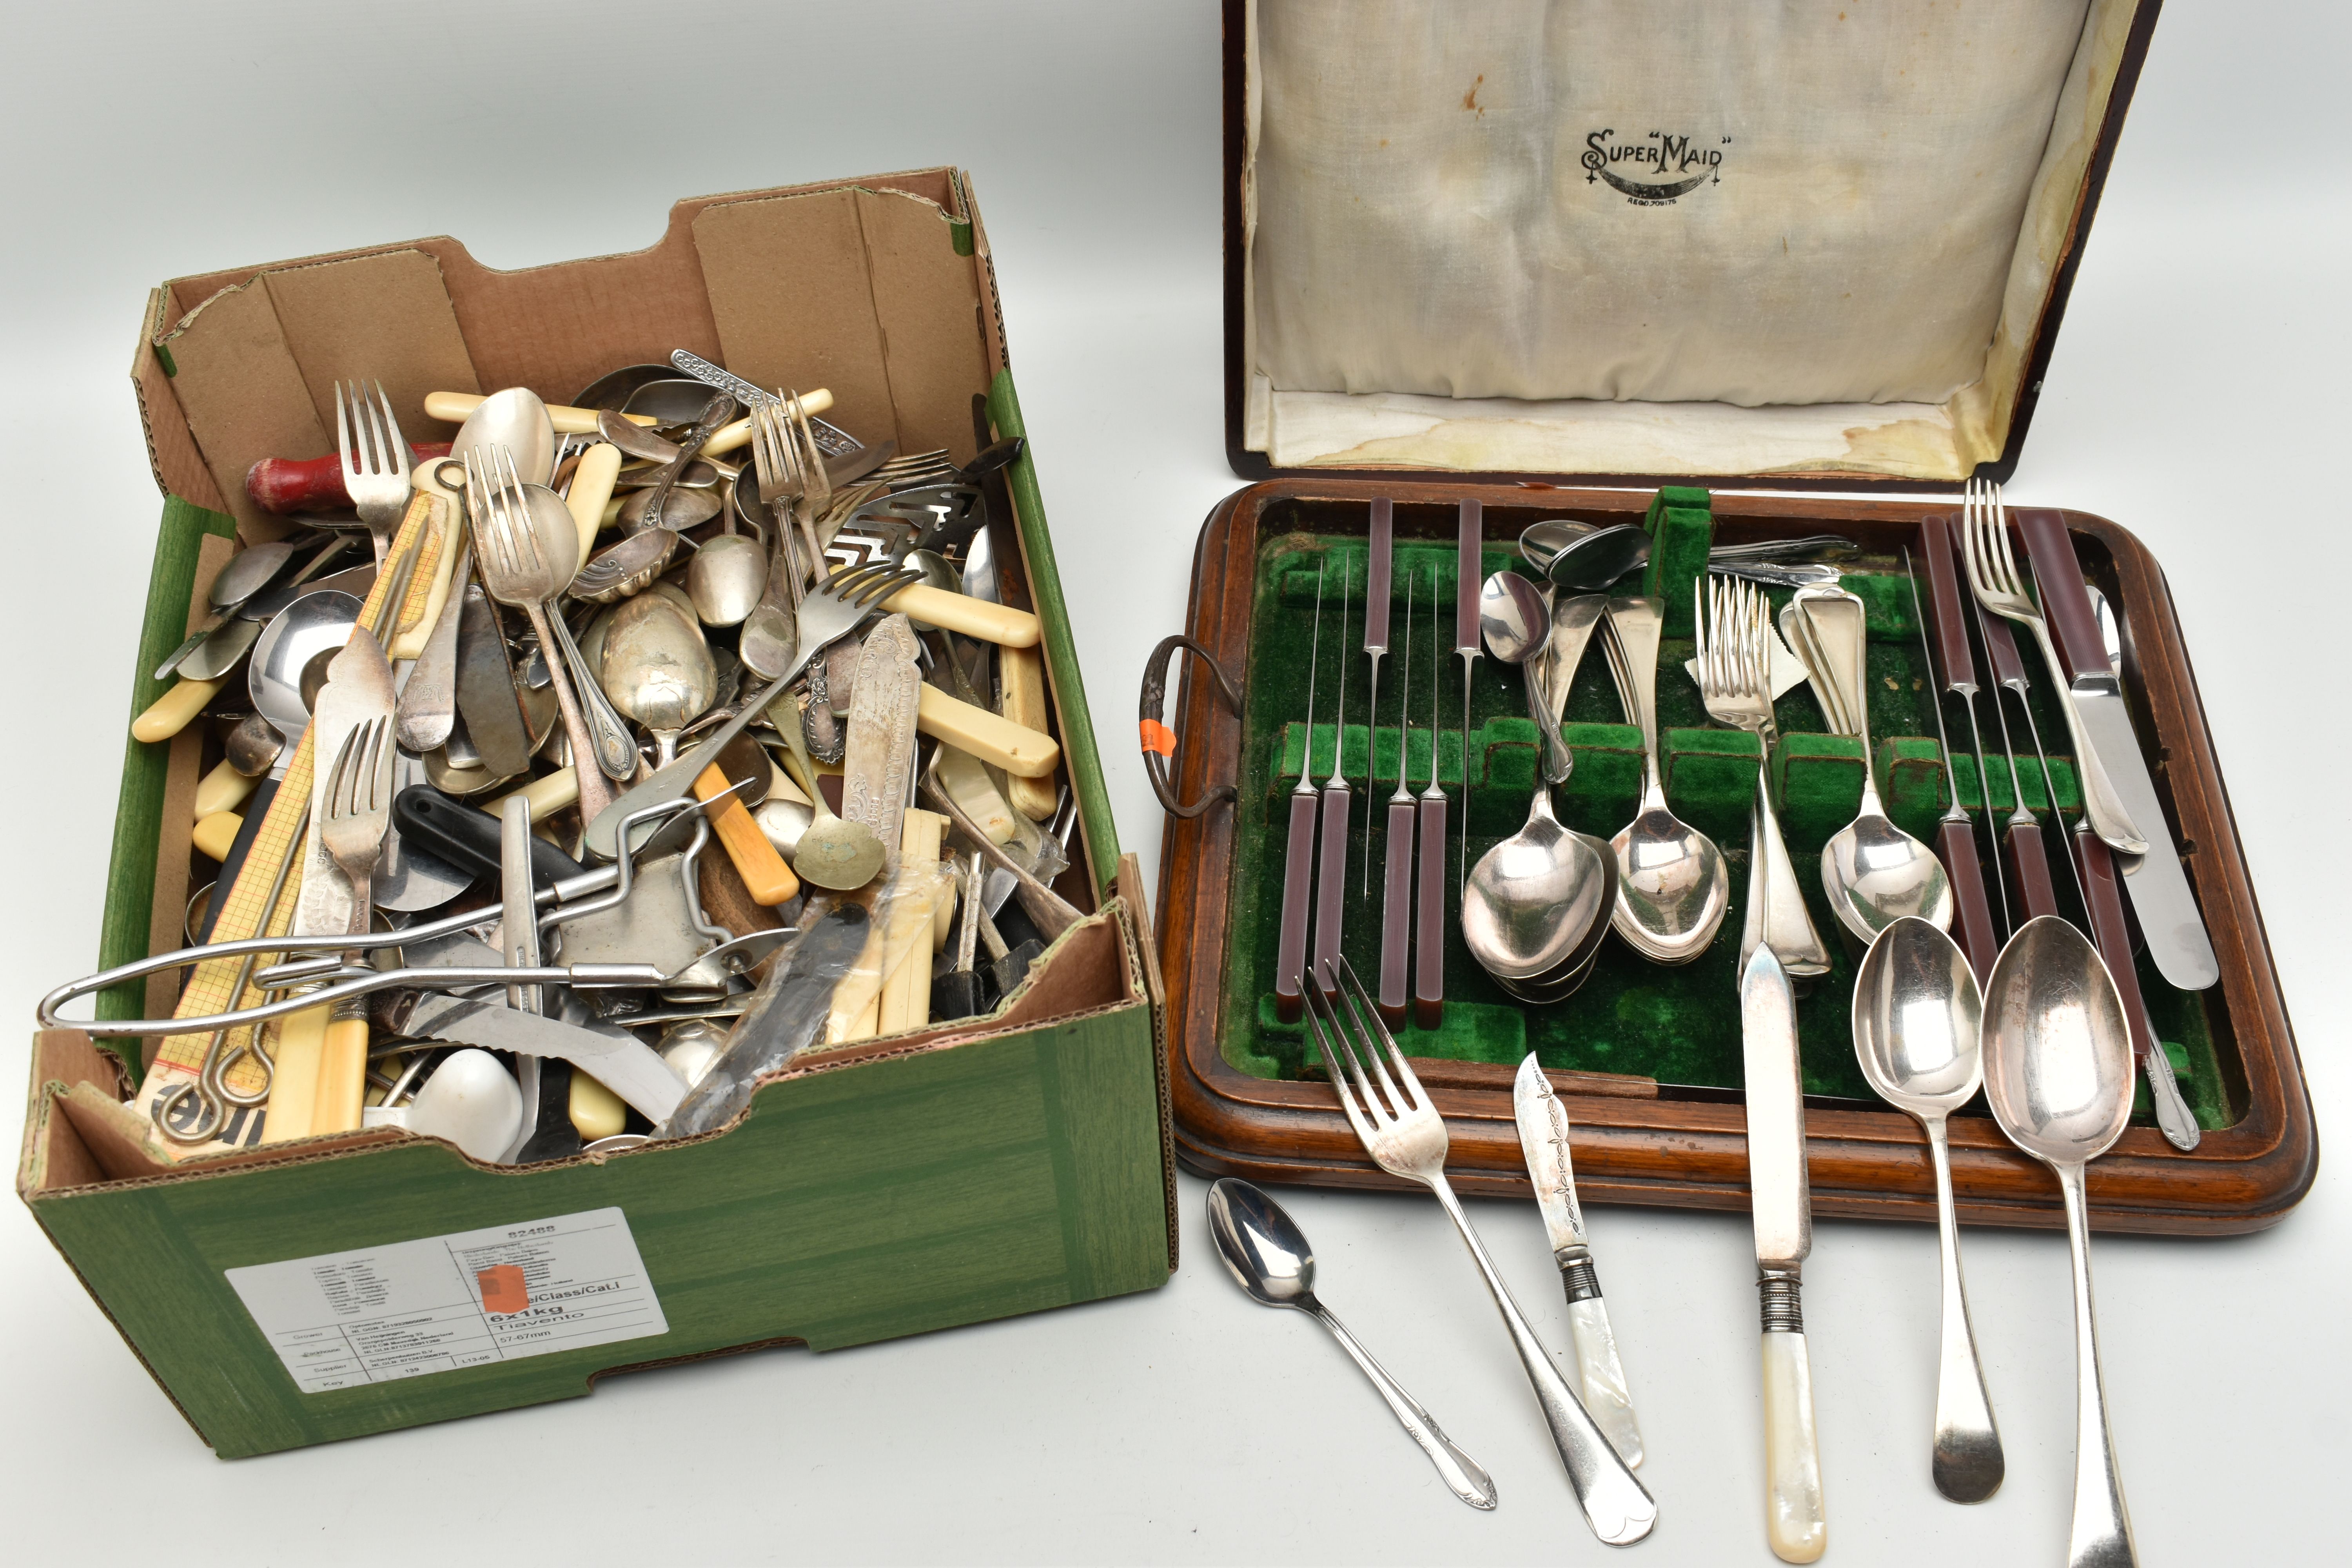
[(2058, 1076), (1269, 1258), (1515, 623), (246, 574), (1873, 872), (516, 419), (833, 851), (1673, 886), (727, 575), (1916, 1017)]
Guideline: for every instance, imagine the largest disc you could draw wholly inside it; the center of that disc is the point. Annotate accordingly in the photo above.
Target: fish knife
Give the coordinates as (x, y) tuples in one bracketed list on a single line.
[(1543, 1139)]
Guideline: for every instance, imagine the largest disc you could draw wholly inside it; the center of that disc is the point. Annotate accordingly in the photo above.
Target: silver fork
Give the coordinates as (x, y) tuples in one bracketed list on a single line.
[(357, 808), (1992, 574), (1402, 1133), (515, 571), (1735, 682), (377, 462)]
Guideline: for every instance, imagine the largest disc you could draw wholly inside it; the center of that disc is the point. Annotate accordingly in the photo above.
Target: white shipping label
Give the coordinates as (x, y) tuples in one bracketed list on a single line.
[(377, 1313)]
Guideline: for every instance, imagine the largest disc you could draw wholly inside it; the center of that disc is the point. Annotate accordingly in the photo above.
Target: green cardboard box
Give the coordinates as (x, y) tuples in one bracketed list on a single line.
[(961, 1172)]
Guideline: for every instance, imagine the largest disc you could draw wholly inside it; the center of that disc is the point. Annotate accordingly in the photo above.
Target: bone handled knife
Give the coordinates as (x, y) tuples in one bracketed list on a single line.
[(1543, 1141), (1780, 1204)]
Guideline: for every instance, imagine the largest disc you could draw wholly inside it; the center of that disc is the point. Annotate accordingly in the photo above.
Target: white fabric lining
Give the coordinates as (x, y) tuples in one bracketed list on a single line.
[(1359, 330)]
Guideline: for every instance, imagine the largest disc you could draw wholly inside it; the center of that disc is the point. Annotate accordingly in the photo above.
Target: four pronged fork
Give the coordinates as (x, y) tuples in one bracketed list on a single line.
[(376, 462), (1992, 574), (1403, 1133), (1735, 680)]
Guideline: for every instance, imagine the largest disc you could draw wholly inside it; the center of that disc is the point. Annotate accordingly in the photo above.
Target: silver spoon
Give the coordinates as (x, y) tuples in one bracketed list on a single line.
[(832, 851), (727, 575), (1515, 623), (1673, 886), (658, 668), (1269, 1258), (1873, 872), (2058, 1076), (1916, 1017), (246, 573), (516, 419), (1587, 556)]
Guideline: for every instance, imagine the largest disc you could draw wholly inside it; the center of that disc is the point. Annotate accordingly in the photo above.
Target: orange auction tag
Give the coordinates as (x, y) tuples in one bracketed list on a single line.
[(502, 1288), (1159, 737)]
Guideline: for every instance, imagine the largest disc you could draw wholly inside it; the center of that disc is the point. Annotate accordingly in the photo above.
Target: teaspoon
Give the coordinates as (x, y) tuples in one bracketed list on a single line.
[(1916, 1021), (1873, 872), (1269, 1258), (1673, 886), (2058, 1076)]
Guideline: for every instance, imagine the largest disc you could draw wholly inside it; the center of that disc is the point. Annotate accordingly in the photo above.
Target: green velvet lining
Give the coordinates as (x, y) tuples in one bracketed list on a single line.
[(1679, 1025)]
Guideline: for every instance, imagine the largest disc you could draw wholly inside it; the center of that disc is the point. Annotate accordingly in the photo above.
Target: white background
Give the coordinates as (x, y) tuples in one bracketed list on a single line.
[(2197, 397)]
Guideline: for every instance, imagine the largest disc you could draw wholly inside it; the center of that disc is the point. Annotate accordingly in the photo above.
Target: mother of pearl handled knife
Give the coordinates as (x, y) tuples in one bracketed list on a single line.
[(1543, 1141)]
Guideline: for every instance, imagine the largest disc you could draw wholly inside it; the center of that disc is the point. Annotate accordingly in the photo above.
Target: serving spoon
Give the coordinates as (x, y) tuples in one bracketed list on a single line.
[(1917, 1022), (2058, 1076), (1270, 1259)]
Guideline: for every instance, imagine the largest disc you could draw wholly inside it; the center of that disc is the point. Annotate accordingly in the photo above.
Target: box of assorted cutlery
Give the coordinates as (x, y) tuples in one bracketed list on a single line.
[(613, 867), (1507, 709)]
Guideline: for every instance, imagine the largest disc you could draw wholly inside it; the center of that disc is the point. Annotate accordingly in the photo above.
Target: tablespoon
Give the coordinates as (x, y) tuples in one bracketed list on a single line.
[(1673, 886), (2058, 1076), (1588, 556), (1516, 623), (658, 668), (1916, 1021), (1873, 872), (1269, 1258)]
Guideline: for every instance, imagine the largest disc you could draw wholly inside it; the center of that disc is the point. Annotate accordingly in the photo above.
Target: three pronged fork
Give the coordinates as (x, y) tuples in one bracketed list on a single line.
[(377, 462), (1993, 575), (1403, 1133), (1735, 681)]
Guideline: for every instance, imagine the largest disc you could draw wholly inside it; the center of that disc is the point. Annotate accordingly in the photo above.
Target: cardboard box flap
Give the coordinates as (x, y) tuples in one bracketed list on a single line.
[(881, 302), (1621, 239)]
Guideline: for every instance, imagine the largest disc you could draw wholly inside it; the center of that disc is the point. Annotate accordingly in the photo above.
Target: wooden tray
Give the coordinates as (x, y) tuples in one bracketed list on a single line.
[(1635, 1142)]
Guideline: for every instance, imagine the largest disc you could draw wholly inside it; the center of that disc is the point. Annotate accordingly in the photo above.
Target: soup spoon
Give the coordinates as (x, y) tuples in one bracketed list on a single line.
[(1673, 886)]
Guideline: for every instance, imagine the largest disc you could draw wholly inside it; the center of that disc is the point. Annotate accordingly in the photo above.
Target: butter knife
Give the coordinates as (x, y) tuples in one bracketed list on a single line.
[(1780, 1204), (877, 769), (1543, 1141)]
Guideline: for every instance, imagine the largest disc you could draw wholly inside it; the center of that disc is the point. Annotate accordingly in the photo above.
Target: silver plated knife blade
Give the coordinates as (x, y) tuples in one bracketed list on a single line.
[(613, 1057), (1543, 1141)]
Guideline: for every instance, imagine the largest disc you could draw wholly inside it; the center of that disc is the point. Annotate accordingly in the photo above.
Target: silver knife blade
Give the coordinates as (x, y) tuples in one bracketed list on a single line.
[(2156, 882), (1778, 1197), (613, 1057), (1543, 1141)]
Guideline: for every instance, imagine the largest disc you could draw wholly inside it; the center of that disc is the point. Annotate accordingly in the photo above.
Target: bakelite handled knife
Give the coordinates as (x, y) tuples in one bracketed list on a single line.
[(1600, 1375)]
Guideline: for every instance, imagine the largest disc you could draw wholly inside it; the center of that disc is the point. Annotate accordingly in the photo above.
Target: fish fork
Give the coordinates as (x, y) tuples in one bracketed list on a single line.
[(516, 570), (376, 460), (358, 808), (1403, 1133), (1735, 681), (1992, 574)]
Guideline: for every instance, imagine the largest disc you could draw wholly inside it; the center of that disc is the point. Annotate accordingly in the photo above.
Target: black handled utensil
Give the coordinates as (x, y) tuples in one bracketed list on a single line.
[(1428, 922), (1376, 643), (1956, 837), (1396, 898), (1338, 799)]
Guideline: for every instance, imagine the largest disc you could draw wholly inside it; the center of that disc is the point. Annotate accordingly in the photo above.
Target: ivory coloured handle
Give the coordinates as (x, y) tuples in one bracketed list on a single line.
[(763, 871), (343, 1077), (1019, 751), (999, 624), (294, 1080), (452, 407), (173, 710), (596, 1111), (222, 789), (1022, 672), (216, 832), (592, 486), (1793, 1521), (547, 795)]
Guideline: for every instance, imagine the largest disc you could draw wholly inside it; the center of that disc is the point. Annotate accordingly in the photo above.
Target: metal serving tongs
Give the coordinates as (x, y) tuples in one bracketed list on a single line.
[(567, 900)]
